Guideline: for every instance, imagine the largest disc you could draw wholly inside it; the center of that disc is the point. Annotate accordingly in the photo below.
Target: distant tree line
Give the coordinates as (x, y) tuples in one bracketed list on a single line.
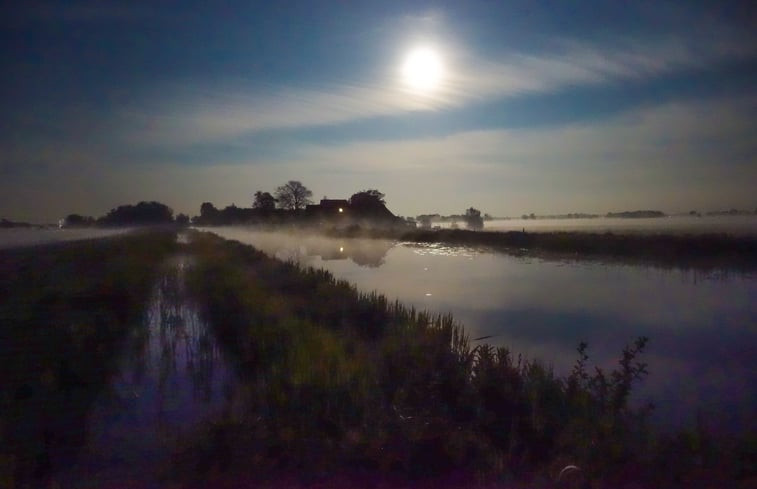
[(142, 214), (581, 215), (731, 212), (636, 214), (290, 202)]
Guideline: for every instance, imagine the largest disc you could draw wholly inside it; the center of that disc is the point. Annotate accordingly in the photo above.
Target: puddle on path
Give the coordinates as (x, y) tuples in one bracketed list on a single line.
[(172, 375)]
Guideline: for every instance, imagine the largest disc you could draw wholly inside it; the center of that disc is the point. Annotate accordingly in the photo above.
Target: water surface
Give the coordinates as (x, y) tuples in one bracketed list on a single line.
[(702, 327), (171, 377)]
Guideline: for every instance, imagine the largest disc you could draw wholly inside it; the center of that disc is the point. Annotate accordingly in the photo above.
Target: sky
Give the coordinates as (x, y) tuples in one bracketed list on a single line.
[(544, 107)]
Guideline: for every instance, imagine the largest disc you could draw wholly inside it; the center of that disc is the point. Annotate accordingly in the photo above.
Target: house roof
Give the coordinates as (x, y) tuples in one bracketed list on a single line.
[(334, 203)]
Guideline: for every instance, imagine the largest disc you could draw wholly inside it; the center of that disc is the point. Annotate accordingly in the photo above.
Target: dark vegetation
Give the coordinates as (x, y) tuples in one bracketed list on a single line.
[(338, 380), (636, 214), (570, 215), (64, 311), (5, 223), (141, 214), (293, 195), (473, 219)]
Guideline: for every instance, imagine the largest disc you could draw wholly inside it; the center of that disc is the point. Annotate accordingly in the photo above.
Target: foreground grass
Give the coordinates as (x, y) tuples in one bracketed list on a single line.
[(64, 311), (337, 381), (698, 252)]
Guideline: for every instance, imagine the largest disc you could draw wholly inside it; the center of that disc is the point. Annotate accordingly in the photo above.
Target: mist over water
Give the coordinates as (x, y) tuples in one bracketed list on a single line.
[(701, 325), (733, 225)]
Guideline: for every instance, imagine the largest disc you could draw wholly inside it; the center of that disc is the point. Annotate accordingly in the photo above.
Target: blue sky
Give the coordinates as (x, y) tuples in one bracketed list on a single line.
[(542, 107)]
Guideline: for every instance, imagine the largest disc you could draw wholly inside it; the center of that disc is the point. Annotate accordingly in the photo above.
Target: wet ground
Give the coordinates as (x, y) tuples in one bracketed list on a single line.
[(171, 376)]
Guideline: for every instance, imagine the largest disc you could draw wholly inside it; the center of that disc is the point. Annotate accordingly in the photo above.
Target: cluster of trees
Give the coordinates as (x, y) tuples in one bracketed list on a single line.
[(140, 214), (143, 214), (294, 196), (473, 219), (287, 202)]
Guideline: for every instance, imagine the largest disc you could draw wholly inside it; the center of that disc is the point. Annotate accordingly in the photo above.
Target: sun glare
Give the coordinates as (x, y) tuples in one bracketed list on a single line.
[(422, 69)]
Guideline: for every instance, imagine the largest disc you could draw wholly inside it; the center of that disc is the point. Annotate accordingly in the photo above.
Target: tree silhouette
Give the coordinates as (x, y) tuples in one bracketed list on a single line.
[(208, 210), (473, 219), (367, 198), (264, 201), (293, 195), (76, 220), (143, 213)]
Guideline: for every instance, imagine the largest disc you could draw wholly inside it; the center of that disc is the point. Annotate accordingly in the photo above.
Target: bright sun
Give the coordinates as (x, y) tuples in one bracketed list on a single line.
[(422, 69)]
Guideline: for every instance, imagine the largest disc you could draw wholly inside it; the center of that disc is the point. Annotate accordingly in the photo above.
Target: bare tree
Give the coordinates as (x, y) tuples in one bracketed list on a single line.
[(293, 195)]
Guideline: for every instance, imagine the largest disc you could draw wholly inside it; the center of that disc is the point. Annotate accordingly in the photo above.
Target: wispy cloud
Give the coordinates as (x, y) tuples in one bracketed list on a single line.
[(673, 157), (669, 156), (188, 113)]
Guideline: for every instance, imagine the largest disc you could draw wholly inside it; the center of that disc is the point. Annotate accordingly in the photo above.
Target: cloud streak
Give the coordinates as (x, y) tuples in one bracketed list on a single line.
[(194, 114), (673, 157)]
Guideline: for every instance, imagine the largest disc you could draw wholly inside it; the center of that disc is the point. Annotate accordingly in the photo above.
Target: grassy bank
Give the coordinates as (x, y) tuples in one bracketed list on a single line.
[(338, 380), (700, 251), (64, 310)]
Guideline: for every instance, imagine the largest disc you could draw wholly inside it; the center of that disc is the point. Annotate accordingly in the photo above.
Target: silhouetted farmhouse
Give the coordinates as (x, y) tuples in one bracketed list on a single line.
[(341, 210), (329, 208)]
